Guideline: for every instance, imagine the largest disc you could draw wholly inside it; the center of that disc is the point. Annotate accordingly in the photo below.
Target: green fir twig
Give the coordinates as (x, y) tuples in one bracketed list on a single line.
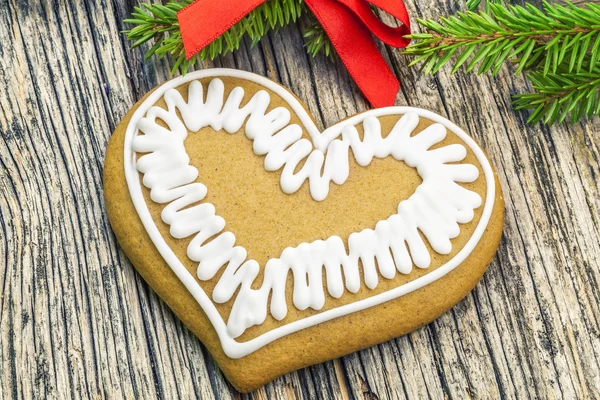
[(558, 46), (526, 35), (560, 94)]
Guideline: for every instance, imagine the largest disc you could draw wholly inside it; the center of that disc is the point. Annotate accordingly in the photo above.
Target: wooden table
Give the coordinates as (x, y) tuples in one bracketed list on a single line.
[(77, 321)]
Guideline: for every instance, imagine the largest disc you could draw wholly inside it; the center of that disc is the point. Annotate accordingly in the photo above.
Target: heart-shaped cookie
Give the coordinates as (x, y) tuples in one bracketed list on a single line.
[(281, 246)]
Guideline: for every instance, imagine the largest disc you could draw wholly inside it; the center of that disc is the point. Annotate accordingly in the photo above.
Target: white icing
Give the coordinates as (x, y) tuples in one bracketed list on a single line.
[(436, 208)]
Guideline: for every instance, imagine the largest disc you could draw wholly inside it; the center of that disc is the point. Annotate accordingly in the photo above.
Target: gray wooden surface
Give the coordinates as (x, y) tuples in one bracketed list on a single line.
[(76, 321)]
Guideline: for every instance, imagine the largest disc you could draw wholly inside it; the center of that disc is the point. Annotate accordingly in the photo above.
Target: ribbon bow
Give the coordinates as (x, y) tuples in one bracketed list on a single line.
[(350, 24)]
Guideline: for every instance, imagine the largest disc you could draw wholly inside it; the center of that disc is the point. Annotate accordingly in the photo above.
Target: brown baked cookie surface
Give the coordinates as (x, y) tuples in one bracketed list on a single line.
[(280, 246)]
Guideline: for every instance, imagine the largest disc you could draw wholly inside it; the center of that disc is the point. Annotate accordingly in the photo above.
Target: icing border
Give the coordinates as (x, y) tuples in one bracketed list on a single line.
[(231, 347)]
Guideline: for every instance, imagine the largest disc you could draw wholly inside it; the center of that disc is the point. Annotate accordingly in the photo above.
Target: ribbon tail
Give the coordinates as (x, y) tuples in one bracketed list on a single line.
[(358, 51)]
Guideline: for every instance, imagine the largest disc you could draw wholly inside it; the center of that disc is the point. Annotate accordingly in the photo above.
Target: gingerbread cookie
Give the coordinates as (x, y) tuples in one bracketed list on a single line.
[(281, 246)]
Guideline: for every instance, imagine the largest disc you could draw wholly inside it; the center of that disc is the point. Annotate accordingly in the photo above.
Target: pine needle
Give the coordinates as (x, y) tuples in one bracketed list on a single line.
[(317, 42)]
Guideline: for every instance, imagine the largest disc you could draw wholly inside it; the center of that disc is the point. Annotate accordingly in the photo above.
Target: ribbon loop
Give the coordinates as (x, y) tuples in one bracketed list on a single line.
[(350, 25), (203, 21), (393, 36)]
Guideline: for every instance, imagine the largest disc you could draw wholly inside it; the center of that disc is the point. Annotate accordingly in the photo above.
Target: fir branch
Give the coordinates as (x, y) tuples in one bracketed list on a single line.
[(158, 22), (558, 94), (531, 37)]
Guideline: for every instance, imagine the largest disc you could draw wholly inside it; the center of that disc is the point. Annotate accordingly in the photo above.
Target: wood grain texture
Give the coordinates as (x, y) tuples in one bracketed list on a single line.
[(76, 321)]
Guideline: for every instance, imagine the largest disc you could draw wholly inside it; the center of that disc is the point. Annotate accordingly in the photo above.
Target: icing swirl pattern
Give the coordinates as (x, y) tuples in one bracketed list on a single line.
[(436, 208), (431, 215)]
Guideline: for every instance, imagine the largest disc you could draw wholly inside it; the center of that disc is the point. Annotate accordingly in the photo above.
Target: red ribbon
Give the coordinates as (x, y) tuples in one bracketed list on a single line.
[(350, 24)]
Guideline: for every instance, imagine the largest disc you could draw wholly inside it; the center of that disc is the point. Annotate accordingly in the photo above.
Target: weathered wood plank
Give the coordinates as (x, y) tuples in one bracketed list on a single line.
[(77, 321)]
